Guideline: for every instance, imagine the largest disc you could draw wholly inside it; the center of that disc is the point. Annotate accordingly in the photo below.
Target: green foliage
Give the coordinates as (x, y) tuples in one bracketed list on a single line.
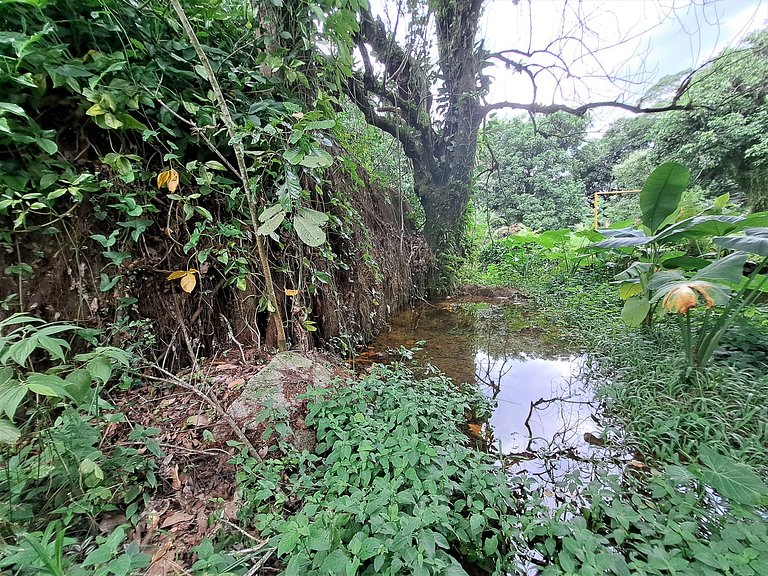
[(102, 98), (643, 285), (528, 173), (525, 252), (722, 139), (695, 502), (661, 193), (659, 527), (395, 488), (55, 469)]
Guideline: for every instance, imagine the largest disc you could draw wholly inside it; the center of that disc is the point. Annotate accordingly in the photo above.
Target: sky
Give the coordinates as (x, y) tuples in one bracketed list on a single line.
[(639, 39)]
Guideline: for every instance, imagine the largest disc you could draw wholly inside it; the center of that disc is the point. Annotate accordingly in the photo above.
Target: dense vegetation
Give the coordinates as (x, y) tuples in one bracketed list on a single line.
[(187, 185)]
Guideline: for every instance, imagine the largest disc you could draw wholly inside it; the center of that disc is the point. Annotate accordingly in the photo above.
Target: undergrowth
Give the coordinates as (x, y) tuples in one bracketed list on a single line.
[(664, 413), (395, 487)]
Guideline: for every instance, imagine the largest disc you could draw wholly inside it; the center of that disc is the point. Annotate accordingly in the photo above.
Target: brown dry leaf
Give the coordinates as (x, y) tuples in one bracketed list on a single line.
[(235, 383), (169, 178), (636, 464), (476, 429), (198, 420), (291, 292), (176, 518), (163, 561), (188, 282), (175, 481), (225, 367), (111, 521)]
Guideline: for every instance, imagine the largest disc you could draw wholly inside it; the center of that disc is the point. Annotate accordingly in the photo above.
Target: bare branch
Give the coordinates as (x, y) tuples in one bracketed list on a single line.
[(536, 108)]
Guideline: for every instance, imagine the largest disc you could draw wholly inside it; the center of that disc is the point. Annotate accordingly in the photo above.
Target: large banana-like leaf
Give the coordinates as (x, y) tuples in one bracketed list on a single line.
[(661, 193), (755, 241)]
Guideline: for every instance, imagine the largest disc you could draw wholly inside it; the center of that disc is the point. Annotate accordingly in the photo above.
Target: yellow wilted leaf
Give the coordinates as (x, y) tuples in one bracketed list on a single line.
[(169, 178), (188, 282), (475, 429), (187, 277), (291, 292), (177, 274)]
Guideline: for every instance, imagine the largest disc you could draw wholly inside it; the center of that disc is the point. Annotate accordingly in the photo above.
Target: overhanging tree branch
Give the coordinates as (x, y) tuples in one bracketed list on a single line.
[(536, 108)]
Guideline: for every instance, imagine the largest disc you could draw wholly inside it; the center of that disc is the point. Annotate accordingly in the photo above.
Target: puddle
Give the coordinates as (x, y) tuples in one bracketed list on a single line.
[(545, 423)]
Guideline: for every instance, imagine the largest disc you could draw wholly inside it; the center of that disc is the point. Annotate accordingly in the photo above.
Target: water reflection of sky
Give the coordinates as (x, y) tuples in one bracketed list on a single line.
[(540, 401), (541, 387)]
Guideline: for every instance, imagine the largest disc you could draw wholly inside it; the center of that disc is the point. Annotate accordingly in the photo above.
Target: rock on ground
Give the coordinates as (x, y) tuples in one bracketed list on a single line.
[(277, 387)]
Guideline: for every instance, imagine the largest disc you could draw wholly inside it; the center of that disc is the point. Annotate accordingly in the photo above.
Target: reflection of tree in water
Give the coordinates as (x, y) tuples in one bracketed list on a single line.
[(485, 343)]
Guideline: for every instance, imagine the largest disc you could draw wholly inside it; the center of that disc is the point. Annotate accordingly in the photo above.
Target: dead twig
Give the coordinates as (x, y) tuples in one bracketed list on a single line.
[(218, 408)]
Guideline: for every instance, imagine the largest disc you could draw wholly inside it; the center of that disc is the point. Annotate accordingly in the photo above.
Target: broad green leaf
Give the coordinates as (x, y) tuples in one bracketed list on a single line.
[(96, 110), (288, 542), (320, 125), (754, 244), (111, 121), (130, 123), (100, 369), (272, 224), (686, 263), (317, 158), (270, 212), (629, 289), (21, 350), (294, 155), (9, 434), (47, 385), (624, 242), (731, 478), (307, 230), (661, 193), (54, 346), (334, 563), (634, 270), (48, 146), (700, 226), (729, 269), (722, 201), (201, 71), (12, 393), (454, 569), (78, 383), (664, 278), (313, 216), (72, 71), (635, 310), (12, 109)]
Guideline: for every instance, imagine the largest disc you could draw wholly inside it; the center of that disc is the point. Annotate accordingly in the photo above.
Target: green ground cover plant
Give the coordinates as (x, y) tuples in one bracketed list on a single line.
[(56, 476), (395, 487)]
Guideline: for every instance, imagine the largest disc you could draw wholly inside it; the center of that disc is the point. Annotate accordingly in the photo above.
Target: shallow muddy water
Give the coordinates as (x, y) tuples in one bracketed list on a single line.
[(545, 422)]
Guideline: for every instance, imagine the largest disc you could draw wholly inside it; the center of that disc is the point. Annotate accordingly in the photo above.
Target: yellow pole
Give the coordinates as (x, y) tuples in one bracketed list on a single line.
[(594, 204)]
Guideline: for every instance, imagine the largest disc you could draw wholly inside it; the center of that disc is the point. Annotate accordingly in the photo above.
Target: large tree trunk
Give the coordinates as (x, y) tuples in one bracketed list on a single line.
[(400, 102), (445, 190)]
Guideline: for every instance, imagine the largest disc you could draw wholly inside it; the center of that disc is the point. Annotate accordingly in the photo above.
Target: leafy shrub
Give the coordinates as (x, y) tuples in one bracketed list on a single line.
[(55, 469), (394, 489)]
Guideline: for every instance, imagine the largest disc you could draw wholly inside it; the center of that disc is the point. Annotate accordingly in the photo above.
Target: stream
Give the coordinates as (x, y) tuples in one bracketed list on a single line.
[(546, 421)]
